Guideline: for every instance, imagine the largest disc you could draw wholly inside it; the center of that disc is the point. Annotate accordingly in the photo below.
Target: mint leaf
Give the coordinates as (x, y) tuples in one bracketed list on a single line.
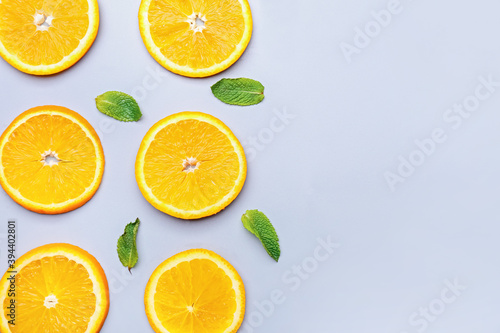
[(127, 247), (259, 225), (118, 105), (239, 91)]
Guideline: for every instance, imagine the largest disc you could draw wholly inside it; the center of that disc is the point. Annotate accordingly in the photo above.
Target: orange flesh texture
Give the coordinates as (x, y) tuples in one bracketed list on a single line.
[(204, 300), (24, 167), (216, 173), (21, 37), (38, 282), (173, 35)]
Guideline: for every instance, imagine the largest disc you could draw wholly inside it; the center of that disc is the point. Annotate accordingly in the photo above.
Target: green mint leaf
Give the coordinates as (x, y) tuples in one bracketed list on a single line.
[(127, 247), (118, 105), (259, 225), (241, 91)]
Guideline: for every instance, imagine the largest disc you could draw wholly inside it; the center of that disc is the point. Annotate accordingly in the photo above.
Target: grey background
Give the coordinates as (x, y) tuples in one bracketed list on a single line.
[(321, 175)]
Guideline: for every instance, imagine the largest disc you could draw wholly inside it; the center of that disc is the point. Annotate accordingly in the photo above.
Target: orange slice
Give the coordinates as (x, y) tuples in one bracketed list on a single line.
[(51, 160), (190, 165), (46, 37), (195, 38), (195, 291), (58, 288)]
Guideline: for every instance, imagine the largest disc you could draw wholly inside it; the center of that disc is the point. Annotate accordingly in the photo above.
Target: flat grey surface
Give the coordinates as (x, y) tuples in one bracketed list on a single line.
[(320, 173)]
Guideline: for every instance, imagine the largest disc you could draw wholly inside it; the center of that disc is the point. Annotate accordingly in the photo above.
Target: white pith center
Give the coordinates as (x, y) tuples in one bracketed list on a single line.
[(197, 21), (190, 308), (50, 301), (190, 164), (42, 21), (50, 158)]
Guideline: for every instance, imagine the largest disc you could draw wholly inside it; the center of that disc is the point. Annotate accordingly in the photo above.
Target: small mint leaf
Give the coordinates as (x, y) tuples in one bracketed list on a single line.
[(118, 105), (259, 225), (127, 245), (240, 91)]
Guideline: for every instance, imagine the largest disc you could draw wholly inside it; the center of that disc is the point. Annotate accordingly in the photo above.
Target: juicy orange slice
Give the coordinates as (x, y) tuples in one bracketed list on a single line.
[(196, 38), (190, 165), (195, 291), (51, 160), (58, 288), (49, 36)]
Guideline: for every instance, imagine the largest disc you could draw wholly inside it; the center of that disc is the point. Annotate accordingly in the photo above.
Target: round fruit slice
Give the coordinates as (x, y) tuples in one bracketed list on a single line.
[(56, 288), (195, 291), (46, 37), (190, 165), (51, 160), (195, 38)]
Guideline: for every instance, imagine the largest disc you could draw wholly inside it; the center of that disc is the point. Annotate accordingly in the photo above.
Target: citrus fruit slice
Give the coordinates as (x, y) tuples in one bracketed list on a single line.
[(190, 165), (56, 288), (51, 160), (195, 291), (195, 38), (46, 37)]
